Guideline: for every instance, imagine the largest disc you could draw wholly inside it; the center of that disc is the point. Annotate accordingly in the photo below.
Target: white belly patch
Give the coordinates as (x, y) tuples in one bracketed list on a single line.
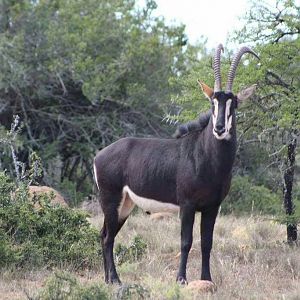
[(150, 205)]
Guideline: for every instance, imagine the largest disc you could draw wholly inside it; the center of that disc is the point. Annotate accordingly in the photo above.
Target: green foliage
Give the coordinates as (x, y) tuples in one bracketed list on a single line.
[(83, 73), (188, 94), (296, 196), (174, 292), (135, 251), (270, 21), (295, 217), (36, 168), (132, 291), (70, 192), (245, 197), (64, 286), (274, 117), (36, 232), (273, 114), (8, 253)]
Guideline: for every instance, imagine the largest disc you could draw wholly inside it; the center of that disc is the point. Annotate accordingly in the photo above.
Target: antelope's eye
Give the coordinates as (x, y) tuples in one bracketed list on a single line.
[(215, 103)]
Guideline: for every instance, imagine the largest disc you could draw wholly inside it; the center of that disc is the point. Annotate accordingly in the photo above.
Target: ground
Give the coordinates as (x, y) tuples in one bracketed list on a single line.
[(250, 260)]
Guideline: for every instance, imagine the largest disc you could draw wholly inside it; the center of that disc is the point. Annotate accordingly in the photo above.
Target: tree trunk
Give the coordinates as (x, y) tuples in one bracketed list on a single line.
[(288, 178), (4, 16)]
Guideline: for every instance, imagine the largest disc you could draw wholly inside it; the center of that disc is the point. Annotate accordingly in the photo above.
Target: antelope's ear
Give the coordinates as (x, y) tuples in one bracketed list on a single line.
[(208, 92), (246, 93)]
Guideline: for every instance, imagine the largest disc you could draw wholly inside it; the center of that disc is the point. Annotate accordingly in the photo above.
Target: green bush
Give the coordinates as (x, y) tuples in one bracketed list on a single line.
[(296, 199), (245, 197), (70, 192), (64, 286), (8, 252), (133, 252), (36, 232), (132, 291)]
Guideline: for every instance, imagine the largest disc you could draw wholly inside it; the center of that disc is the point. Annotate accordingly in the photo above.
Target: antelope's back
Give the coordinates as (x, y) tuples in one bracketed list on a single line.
[(144, 164)]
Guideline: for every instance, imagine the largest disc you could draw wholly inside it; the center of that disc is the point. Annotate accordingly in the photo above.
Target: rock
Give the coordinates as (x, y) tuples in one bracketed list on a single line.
[(161, 215), (202, 286), (37, 190)]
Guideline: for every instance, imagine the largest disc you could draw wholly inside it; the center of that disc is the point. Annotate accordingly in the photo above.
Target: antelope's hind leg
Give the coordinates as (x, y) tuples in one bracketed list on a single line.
[(116, 209)]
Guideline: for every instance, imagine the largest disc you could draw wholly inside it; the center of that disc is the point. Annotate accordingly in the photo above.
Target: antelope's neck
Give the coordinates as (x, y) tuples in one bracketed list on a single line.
[(221, 153)]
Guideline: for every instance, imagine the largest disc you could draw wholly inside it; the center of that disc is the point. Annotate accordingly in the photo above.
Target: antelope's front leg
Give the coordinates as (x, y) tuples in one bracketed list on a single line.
[(187, 216), (208, 219)]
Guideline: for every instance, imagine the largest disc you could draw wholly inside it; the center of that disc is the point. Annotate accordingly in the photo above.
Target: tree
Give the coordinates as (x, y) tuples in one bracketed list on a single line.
[(276, 34), (82, 74)]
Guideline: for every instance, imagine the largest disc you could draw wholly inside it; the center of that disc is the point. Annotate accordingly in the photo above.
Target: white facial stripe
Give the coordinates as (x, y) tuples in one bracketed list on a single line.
[(228, 120), (216, 111), (227, 113), (229, 124)]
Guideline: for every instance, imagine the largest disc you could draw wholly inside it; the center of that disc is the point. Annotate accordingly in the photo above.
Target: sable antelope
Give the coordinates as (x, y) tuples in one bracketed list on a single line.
[(189, 174)]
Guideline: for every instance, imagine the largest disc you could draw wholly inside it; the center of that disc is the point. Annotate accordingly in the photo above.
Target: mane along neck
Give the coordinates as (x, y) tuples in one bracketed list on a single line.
[(197, 125)]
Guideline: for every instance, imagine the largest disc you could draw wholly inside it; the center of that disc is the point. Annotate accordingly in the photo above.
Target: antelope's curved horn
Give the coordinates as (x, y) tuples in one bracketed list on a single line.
[(217, 68), (234, 65)]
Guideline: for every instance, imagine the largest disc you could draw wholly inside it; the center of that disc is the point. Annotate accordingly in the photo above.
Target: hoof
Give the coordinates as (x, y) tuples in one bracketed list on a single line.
[(202, 286), (181, 280), (116, 281)]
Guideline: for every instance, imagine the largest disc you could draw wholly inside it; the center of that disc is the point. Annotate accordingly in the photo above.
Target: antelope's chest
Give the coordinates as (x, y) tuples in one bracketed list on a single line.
[(204, 193)]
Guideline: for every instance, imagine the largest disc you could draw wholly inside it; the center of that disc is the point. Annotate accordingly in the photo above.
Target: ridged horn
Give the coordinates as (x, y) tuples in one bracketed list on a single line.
[(234, 65), (217, 68)]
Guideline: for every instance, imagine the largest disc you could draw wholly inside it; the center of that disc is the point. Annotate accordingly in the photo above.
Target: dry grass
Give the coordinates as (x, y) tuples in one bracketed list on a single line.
[(249, 261)]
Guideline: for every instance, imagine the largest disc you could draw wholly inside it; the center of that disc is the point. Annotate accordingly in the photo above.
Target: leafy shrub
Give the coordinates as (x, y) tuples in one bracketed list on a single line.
[(37, 232), (64, 286), (173, 292), (132, 253), (70, 192), (245, 197), (296, 199), (132, 291), (8, 253)]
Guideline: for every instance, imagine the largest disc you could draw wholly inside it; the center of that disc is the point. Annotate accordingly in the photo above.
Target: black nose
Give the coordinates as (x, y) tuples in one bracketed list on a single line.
[(219, 129)]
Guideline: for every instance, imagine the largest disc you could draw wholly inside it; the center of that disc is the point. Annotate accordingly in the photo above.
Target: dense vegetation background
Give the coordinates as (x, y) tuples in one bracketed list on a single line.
[(81, 74)]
